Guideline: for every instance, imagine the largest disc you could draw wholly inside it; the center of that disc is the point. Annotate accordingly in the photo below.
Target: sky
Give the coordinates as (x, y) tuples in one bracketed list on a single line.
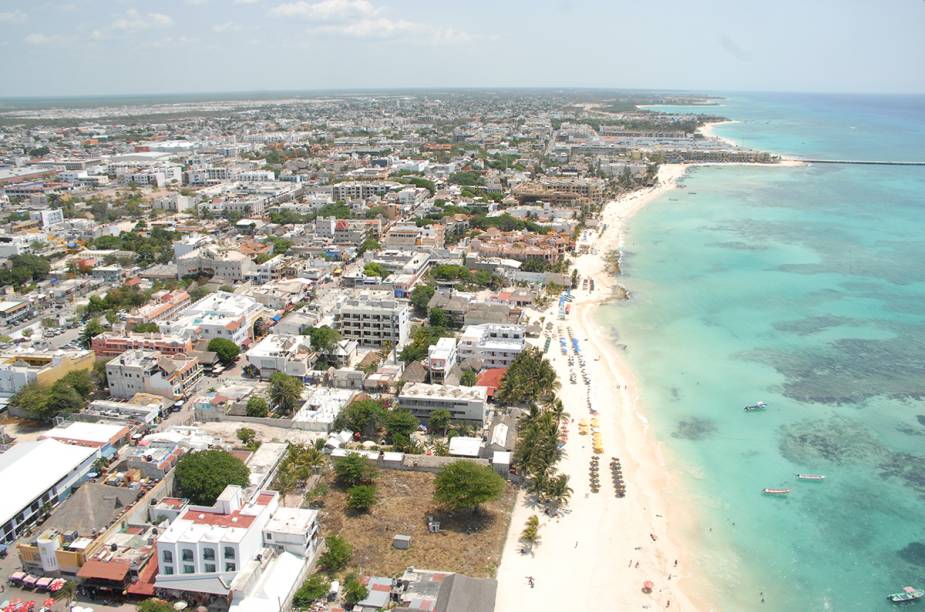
[(109, 47)]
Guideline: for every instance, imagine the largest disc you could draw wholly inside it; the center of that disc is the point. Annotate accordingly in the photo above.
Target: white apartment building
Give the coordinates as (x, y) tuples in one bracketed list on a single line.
[(141, 371), (372, 320), (360, 190), (497, 345), (463, 403), (284, 353), (217, 315), (174, 202), (441, 357), (253, 176), (206, 548), (216, 261), (47, 217)]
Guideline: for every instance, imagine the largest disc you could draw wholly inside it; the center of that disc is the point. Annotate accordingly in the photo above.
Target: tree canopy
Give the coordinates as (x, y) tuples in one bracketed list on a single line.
[(366, 416), (323, 338), (420, 298), (285, 392), (529, 379), (203, 475), (353, 470), (314, 588), (226, 350), (464, 484), (336, 555), (68, 394)]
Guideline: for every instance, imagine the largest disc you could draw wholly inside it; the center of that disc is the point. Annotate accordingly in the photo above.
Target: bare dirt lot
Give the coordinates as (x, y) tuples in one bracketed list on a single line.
[(467, 543)]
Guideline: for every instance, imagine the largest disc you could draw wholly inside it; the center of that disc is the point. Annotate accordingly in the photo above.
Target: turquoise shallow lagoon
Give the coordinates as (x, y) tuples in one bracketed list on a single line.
[(803, 287)]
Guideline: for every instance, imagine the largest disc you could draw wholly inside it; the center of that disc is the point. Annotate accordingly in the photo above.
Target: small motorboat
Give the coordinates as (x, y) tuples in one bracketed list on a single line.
[(816, 477), (767, 491), (907, 594), (756, 406)]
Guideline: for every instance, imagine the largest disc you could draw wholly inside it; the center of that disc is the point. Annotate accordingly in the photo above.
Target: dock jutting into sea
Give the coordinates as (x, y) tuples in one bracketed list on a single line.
[(863, 162)]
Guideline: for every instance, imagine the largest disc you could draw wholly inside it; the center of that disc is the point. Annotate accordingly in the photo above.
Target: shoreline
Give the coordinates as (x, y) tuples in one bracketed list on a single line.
[(708, 130), (602, 545)]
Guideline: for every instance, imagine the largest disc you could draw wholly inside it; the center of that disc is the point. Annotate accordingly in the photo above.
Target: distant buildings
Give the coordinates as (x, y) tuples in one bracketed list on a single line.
[(111, 344), (163, 305)]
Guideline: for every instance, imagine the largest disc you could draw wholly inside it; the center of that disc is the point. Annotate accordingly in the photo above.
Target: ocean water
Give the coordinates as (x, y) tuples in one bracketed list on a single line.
[(803, 287)]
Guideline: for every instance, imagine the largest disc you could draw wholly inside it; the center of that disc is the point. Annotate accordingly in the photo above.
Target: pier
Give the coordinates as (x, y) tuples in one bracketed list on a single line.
[(862, 162)]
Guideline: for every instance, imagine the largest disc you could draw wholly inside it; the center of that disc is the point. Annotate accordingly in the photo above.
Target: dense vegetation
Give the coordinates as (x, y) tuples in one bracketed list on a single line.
[(69, 394), (203, 475)]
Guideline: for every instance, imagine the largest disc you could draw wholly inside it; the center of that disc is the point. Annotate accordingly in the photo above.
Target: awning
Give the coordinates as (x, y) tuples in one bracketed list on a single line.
[(115, 571), (145, 584)]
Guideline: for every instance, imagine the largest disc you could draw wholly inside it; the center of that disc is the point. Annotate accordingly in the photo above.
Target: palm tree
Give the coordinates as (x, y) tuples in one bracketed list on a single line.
[(557, 490), (285, 482)]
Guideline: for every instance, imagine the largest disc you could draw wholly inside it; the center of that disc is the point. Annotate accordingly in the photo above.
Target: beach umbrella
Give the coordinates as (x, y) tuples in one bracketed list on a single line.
[(647, 586), (48, 603)]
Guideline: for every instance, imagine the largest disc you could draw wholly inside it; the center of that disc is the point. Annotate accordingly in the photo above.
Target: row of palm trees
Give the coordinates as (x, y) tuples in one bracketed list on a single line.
[(538, 451)]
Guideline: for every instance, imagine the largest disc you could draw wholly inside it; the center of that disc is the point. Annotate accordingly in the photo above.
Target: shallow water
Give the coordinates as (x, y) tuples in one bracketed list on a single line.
[(802, 287)]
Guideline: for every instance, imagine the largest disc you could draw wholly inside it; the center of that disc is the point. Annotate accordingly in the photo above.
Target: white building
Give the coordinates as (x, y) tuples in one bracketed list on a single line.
[(219, 262), (48, 216), (206, 548), (360, 190), (463, 403), (217, 315), (142, 371), (33, 474), (497, 345), (441, 357), (290, 355), (373, 320)]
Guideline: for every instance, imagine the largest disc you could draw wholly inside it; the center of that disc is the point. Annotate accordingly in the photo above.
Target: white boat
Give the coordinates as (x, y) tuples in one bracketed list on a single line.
[(775, 491), (756, 406), (811, 476)]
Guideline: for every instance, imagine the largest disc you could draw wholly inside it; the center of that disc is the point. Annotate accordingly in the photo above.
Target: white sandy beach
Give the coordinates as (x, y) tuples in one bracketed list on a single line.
[(587, 558)]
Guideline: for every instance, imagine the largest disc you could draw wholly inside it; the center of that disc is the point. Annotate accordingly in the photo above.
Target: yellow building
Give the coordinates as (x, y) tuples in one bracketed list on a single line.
[(18, 369)]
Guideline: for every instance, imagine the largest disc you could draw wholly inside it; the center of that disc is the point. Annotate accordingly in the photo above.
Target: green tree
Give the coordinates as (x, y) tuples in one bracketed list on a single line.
[(529, 379), (354, 590), (203, 475), (226, 350), (353, 470), (146, 328), (80, 380), (323, 339), (365, 416), (400, 423), (360, 498), (257, 407), (154, 605), (285, 392), (32, 400), (420, 298), (464, 484), (313, 589), (246, 435), (92, 329), (439, 420), (468, 378), (374, 268), (336, 555), (438, 317)]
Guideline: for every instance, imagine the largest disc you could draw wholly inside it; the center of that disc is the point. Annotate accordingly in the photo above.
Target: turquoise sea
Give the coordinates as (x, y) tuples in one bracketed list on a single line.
[(803, 287)]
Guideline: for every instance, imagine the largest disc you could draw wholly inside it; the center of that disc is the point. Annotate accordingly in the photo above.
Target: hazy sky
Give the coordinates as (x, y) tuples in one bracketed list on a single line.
[(84, 47)]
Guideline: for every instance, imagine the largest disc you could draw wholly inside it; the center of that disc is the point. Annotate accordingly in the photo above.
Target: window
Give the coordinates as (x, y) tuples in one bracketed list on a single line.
[(229, 567), (187, 554), (269, 536), (210, 568), (208, 554), (229, 552), (168, 570), (189, 569), (168, 556)]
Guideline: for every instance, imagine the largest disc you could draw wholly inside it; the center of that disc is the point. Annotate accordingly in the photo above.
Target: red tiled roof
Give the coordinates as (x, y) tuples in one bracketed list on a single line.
[(105, 570), (145, 583), (264, 498), (174, 502), (235, 519), (491, 378)]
